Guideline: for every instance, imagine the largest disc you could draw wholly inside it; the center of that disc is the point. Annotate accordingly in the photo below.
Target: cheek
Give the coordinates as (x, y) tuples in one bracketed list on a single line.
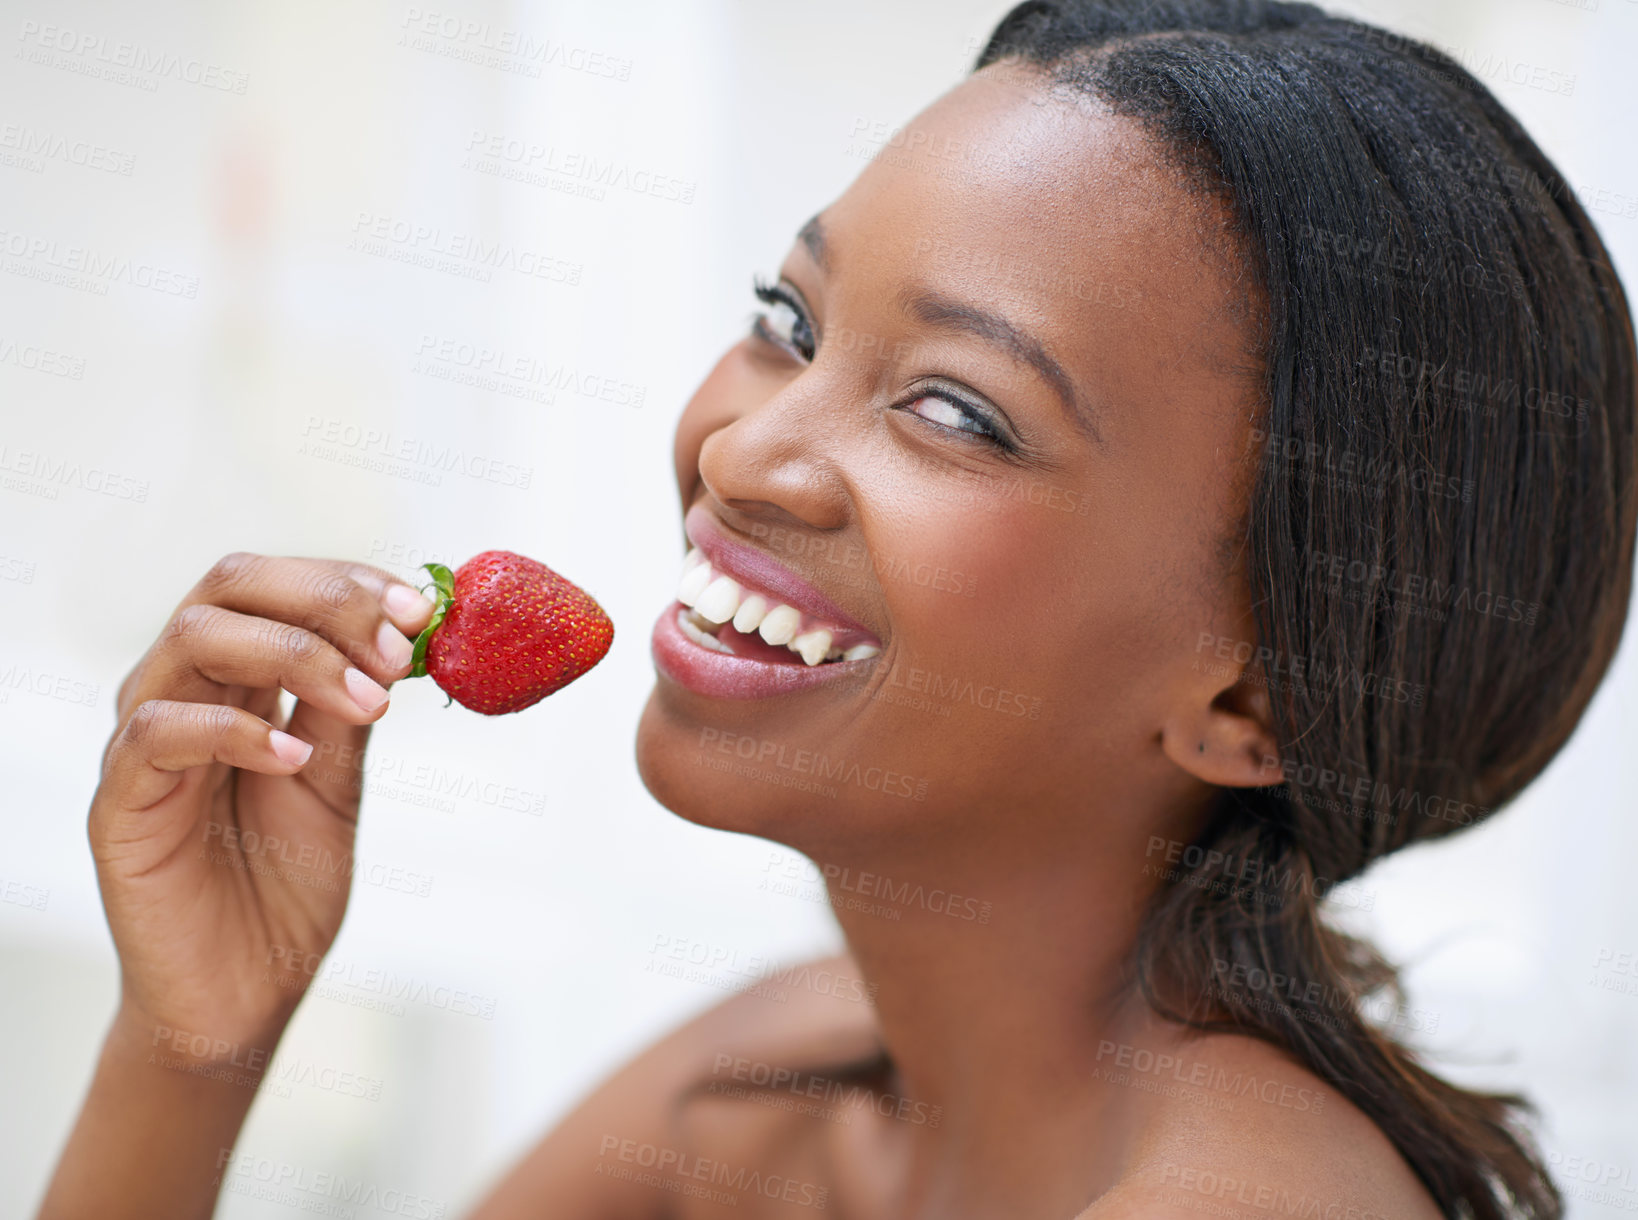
[(1038, 594)]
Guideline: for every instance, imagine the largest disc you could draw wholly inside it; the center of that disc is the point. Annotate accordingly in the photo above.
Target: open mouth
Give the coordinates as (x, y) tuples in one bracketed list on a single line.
[(732, 617)]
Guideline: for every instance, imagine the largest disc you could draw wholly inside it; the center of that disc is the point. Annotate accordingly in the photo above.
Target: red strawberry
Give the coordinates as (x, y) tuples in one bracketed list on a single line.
[(508, 631)]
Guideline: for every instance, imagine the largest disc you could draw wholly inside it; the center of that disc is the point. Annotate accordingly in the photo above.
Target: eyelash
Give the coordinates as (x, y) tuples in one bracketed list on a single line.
[(778, 294)]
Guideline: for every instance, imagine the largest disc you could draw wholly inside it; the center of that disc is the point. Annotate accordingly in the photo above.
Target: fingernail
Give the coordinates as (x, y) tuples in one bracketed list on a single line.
[(395, 650), (292, 750), (405, 602), (364, 690)]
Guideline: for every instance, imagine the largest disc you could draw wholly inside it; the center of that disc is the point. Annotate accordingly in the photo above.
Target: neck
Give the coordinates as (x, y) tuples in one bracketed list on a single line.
[(1000, 989)]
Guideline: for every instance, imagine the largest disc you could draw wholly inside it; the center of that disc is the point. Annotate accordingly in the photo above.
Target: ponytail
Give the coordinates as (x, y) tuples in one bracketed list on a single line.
[(1237, 943)]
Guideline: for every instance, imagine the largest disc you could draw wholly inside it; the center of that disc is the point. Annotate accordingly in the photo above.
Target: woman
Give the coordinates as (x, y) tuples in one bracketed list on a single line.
[(1235, 394)]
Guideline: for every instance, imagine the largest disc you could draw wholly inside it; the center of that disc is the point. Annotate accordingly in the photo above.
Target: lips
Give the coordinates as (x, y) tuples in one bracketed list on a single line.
[(745, 626)]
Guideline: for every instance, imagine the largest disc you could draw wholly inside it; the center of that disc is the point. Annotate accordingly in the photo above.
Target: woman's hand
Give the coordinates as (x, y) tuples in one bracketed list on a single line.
[(224, 847), (223, 837)]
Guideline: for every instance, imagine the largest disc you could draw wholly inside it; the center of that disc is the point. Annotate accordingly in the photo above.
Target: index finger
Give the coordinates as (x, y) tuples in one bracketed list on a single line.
[(306, 592)]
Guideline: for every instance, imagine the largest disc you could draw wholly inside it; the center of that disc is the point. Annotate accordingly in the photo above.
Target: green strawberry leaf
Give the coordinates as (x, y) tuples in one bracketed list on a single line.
[(444, 581), (418, 658), (443, 578)]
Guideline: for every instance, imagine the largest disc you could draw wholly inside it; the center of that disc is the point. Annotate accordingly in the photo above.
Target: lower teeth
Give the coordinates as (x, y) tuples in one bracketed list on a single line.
[(702, 638)]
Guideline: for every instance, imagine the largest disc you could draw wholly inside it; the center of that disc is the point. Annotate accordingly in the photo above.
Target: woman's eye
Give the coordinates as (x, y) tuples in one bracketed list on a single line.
[(783, 322), (787, 327), (942, 411)]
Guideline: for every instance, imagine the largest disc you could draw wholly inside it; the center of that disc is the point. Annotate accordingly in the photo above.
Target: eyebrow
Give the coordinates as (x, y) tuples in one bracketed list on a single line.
[(947, 313), (812, 235), (936, 309)]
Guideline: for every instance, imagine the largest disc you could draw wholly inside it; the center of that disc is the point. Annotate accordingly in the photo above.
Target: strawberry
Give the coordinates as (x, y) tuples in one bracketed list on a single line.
[(508, 631)]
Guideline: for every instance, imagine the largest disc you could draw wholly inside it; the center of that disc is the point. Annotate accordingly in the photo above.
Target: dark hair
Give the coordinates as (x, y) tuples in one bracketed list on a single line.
[(1448, 417)]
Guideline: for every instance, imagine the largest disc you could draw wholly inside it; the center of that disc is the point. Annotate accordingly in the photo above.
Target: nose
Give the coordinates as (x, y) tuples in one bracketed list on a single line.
[(782, 461)]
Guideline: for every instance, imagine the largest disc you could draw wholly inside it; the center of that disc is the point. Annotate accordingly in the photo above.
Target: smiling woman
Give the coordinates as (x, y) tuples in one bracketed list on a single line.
[(1087, 410)]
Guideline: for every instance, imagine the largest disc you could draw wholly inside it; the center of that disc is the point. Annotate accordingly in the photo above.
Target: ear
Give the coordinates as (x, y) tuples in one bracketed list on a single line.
[(1227, 738)]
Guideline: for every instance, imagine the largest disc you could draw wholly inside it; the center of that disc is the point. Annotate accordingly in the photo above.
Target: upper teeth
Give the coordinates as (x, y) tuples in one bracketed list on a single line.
[(694, 580), (720, 601), (719, 598), (778, 626), (750, 613), (813, 645)]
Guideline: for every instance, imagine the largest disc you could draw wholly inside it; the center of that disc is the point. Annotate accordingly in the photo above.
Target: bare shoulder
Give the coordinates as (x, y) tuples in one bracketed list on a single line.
[(1247, 1131), (1229, 1126), (614, 1154)]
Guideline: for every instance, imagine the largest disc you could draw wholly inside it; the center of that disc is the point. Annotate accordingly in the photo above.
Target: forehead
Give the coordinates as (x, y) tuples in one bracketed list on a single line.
[(1062, 216)]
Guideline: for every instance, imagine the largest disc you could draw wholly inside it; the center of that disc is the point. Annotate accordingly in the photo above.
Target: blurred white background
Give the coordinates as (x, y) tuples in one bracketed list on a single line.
[(253, 196)]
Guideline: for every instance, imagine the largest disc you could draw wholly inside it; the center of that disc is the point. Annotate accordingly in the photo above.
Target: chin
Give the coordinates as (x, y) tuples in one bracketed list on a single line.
[(682, 763), (702, 769)]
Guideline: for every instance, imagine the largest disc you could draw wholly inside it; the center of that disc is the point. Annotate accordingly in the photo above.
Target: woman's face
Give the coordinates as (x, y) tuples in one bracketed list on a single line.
[(994, 427)]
